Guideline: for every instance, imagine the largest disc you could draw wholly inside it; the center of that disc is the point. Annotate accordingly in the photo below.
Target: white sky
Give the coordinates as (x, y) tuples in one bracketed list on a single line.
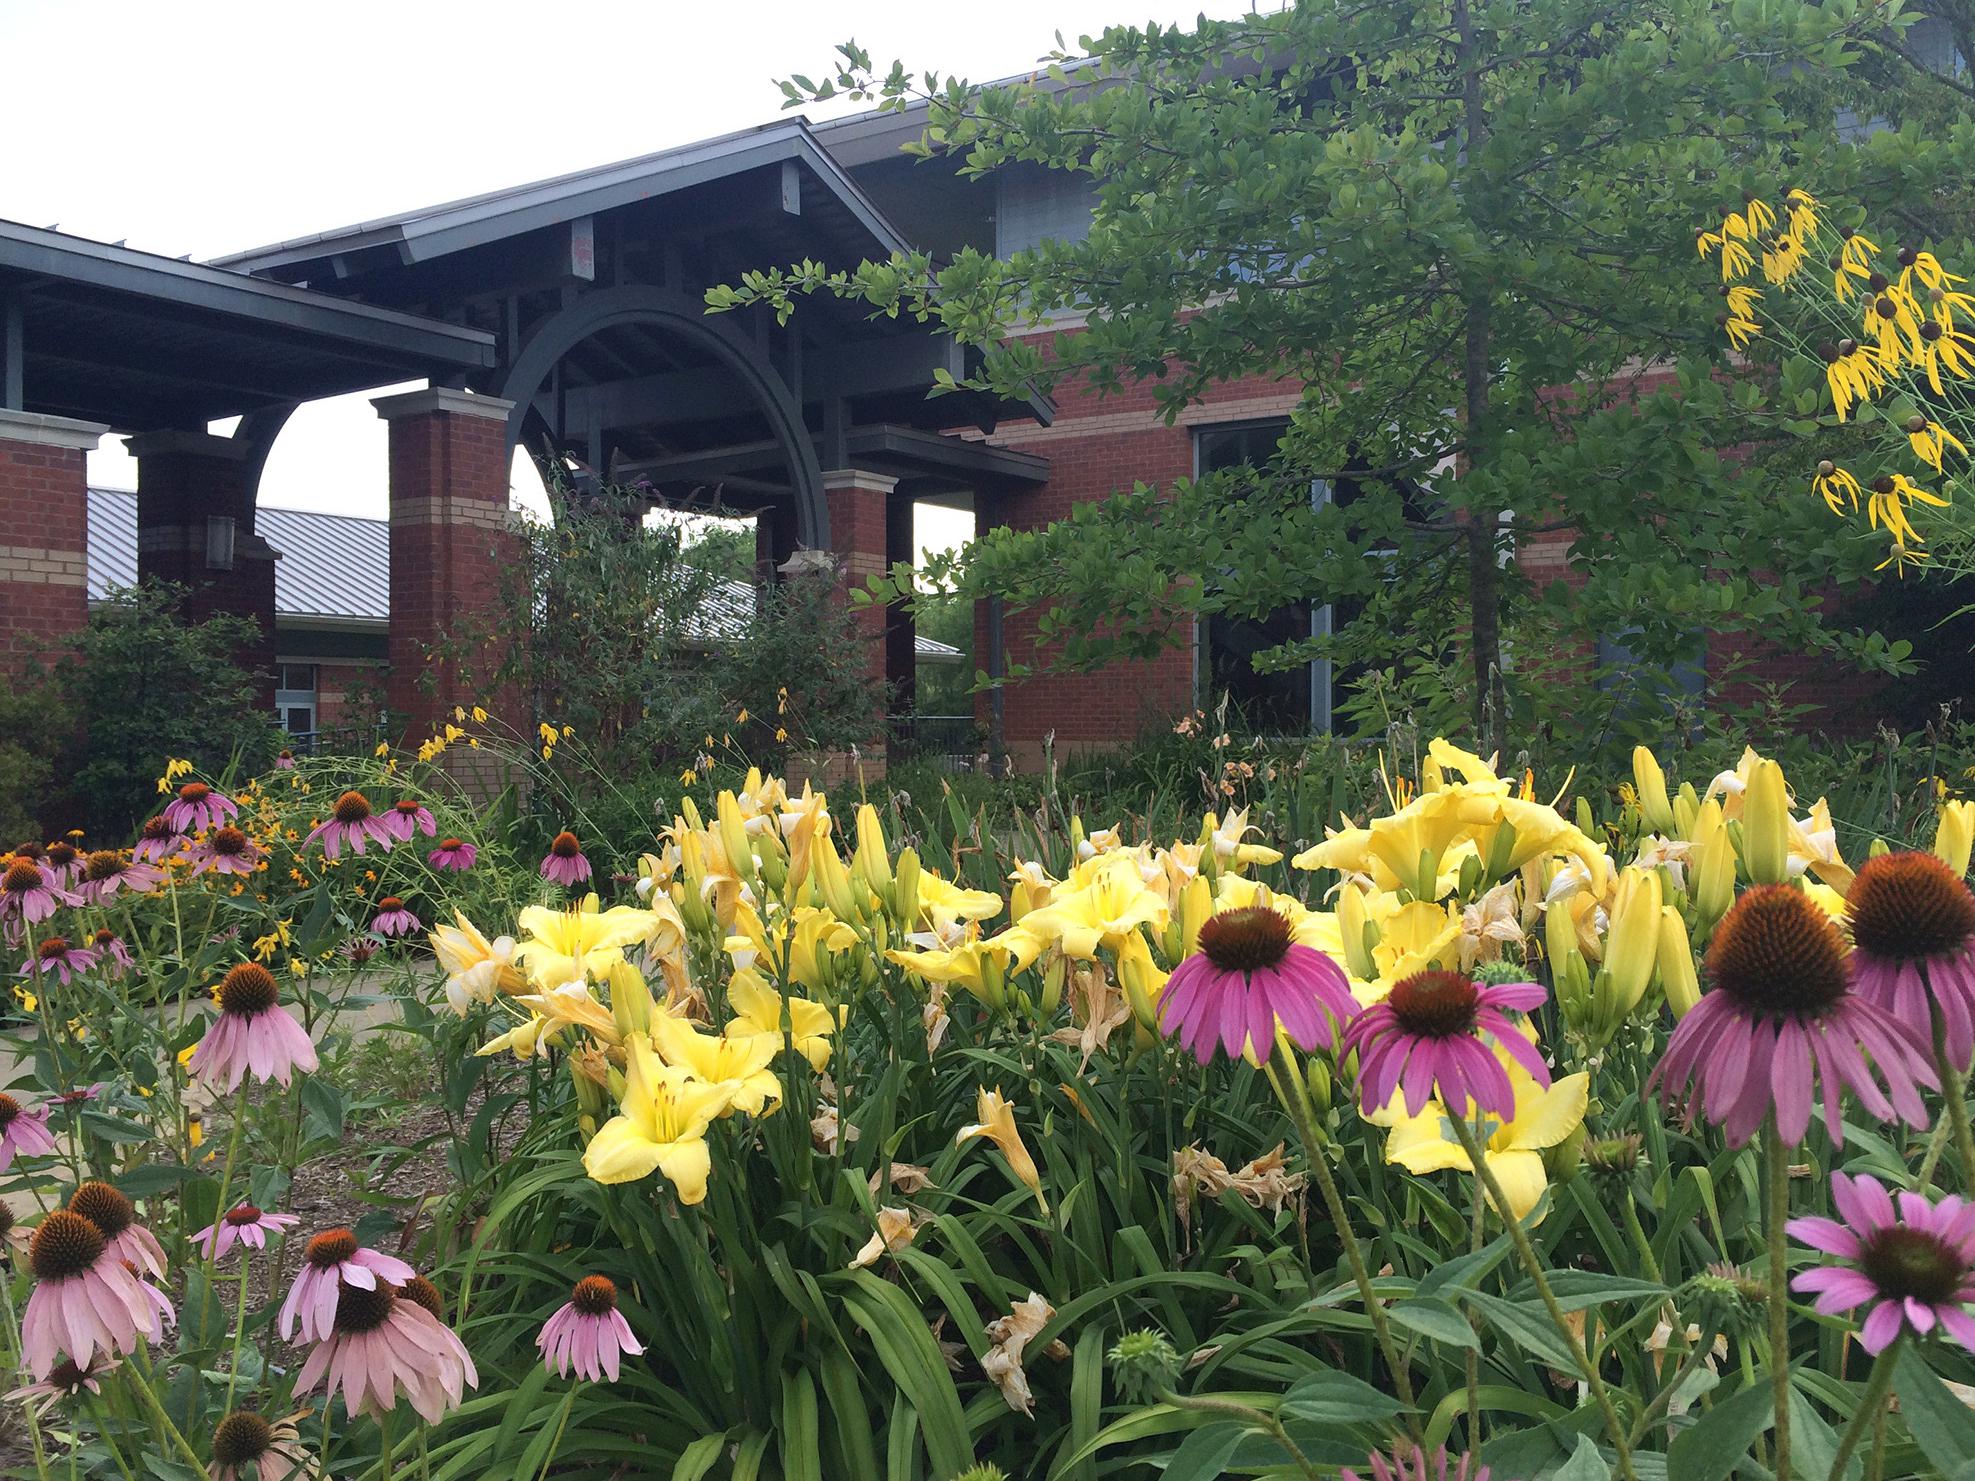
[(211, 126)]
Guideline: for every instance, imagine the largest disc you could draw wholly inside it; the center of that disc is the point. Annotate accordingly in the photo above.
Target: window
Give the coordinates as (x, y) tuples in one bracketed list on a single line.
[(294, 697), (1290, 701)]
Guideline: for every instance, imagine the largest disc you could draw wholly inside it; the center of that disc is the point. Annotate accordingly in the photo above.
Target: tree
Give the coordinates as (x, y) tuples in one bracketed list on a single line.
[(1467, 231)]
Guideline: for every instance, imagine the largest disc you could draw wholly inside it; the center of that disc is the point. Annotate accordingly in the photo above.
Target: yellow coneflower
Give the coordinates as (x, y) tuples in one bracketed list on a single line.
[(1891, 320), (1800, 213), (1926, 267), (1857, 250), (1836, 487), (1930, 441), (1852, 374), (1740, 331), (1783, 257), (1742, 300), (1941, 349), (1900, 556)]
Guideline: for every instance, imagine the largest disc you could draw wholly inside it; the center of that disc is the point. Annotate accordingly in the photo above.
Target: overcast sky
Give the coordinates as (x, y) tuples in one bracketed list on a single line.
[(206, 128)]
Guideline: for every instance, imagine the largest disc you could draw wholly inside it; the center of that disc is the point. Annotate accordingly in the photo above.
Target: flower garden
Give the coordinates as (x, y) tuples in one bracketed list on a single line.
[(1519, 1126)]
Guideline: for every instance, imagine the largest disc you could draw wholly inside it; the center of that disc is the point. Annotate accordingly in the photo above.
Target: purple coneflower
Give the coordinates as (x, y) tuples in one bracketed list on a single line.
[(393, 919), (157, 841), (408, 818), (28, 895), (66, 1381), (284, 760), (1917, 1263), (1419, 1465), (116, 1218), (333, 1261), (453, 854), (1246, 975), (588, 1333), (63, 863), (275, 1452), (1425, 1038), (254, 1032), (242, 1224), (82, 1095), (85, 1300), (1913, 930), (351, 822), (59, 956), (111, 954), (564, 863), (225, 850), (198, 807), (379, 1345), (23, 1133), (1780, 1017), (106, 871)]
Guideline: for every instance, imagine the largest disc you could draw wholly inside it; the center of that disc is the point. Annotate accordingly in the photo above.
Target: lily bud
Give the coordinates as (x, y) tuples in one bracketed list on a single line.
[(1676, 954), (1632, 943), (1685, 806), (1141, 980), (1650, 783), (831, 879), (1586, 823), (870, 864), (631, 1004), (1570, 974), (1354, 925), (733, 834), (1954, 835), (905, 889), (1196, 907), (1766, 825), (1712, 860)]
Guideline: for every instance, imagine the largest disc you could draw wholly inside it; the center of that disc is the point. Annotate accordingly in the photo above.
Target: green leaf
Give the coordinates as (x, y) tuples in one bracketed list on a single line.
[(1577, 1289), (1943, 1427), (1203, 1455), (1529, 1330), (1586, 1463), (1331, 1397), (1432, 1317), (698, 1458), (1711, 1450)]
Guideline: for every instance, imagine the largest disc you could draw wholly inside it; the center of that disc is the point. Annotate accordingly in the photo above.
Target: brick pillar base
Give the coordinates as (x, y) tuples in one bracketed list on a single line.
[(453, 548), (860, 522), (44, 533), (185, 482)]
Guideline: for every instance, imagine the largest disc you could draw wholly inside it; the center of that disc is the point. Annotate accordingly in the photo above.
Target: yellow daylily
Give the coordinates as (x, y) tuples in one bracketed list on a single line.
[(1513, 1149), (525, 1039), (660, 1127), (1417, 937), (737, 1065), (896, 1229), (1442, 756), (475, 967), (1954, 836), (943, 904), (577, 944), (1226, 839), (757, 1011), (1114, 901), (980, 966), (803, 820), (803, 955), (569, 1004), (1814, 846), (997, 1124)]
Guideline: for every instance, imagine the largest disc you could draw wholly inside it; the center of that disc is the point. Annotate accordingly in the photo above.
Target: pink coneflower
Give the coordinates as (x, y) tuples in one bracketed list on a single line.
[(393, 919), (378, 1346), (58, 956), (333, 1261), (453, 854), (1916, 1264), (564, 863), (106, 871), (284, 760), (408, 818), (1419, 1465), (198, 807), (63, 863), (254, 1032), (85, 1299), (225, 850), (351, 822), (116, 1217), (157, 842), (588, 1332), (1246, 975), (360, 949), (111, 954), (1781, 1016), (1425, 1038), (274, 1451), (66, 1381), (1913, 930), (23, 1133), (82, 1095), (27, 894), (242, 1224)]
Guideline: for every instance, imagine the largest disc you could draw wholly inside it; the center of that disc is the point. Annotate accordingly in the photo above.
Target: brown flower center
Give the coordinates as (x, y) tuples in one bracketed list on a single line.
[(157, 830), (247, 989), (352, 807), (409, 808), (1909, 906), (594, 1296), (421, 1292), (330, 1248), (228, 840), (242, 1214), (104, 936), (28, 850), (68, 1376), (1776, 952), (1907, 1263), (9, 1109), (61, 855), (390, 903), (104, 1207), (1435, 1005), (241, 1437), (358, 1310), (53, 949), (103, 864), (565, 845), (1250, 939), (450, 845), (64, 1244), (194, 792), (22, 875)]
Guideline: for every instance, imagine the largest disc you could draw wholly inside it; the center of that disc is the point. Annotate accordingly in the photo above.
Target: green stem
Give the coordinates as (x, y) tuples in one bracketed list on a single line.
[(1477, 1224), (1260, 1418), (239, 1326), (140, 1379), (14, 1338), (1954, 1090), (555, 1443), (1600, 1395), (102, 1413), (1292, 1097), (1776, 1157), (1871, 1405), (1936, 1145), (1629, 1206), (384, 1446), (1696, 1355)]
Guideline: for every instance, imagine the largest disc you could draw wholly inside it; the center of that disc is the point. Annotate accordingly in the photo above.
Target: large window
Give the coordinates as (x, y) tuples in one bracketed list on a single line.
[(294, 697), (1290, 701)]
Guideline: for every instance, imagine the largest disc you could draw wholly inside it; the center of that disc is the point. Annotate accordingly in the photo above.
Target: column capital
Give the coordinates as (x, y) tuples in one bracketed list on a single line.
[(197, 444), (47, 431), (441, 398), (838, 479)]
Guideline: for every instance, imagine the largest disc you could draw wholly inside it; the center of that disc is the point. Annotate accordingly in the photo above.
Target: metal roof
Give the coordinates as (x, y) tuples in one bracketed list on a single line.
[(335, 570), (107, 334)]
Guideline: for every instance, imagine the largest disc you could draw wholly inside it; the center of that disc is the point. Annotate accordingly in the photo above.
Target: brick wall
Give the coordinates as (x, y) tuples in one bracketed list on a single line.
[(44, 514)]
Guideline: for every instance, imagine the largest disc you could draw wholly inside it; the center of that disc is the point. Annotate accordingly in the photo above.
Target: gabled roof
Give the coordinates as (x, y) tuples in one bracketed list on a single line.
[(452, 226)]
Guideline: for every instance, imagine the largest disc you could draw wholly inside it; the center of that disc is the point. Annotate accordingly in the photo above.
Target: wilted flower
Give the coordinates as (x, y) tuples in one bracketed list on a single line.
[(1419, 1465), (66, 1381), (1011, 1336), (274, 1451), (896, 1229)]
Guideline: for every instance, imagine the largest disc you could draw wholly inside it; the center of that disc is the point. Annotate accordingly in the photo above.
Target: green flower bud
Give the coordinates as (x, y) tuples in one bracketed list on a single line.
[(1143, 1365)]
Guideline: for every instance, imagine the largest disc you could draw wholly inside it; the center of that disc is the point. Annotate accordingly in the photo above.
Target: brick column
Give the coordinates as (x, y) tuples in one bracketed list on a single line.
[(452, 547), (859, 513), (44, 530), (189, 484)]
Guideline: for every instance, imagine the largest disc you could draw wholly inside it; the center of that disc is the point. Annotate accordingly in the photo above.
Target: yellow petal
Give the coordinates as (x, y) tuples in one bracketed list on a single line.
[(620, 1153)]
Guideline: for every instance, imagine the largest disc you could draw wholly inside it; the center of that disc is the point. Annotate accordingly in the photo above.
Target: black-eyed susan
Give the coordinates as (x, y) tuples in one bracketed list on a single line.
[(1930, 441), (1837, 487)]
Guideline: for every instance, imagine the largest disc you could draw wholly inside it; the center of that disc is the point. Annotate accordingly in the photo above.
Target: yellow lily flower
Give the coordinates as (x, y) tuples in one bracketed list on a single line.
[(980, 966), (526, 1040), (757, 1011), (1100, 912), (1226, 839), (738, 1066), (1814, 846), (1032, 889), (569, 1004), (1442, 756), (943, 904), (1417, 937), (803, 820), (997, 1124), (818, 936), (660, 1127), (1513, 1149), (1954, 836), (475, 967), (577, 944)]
